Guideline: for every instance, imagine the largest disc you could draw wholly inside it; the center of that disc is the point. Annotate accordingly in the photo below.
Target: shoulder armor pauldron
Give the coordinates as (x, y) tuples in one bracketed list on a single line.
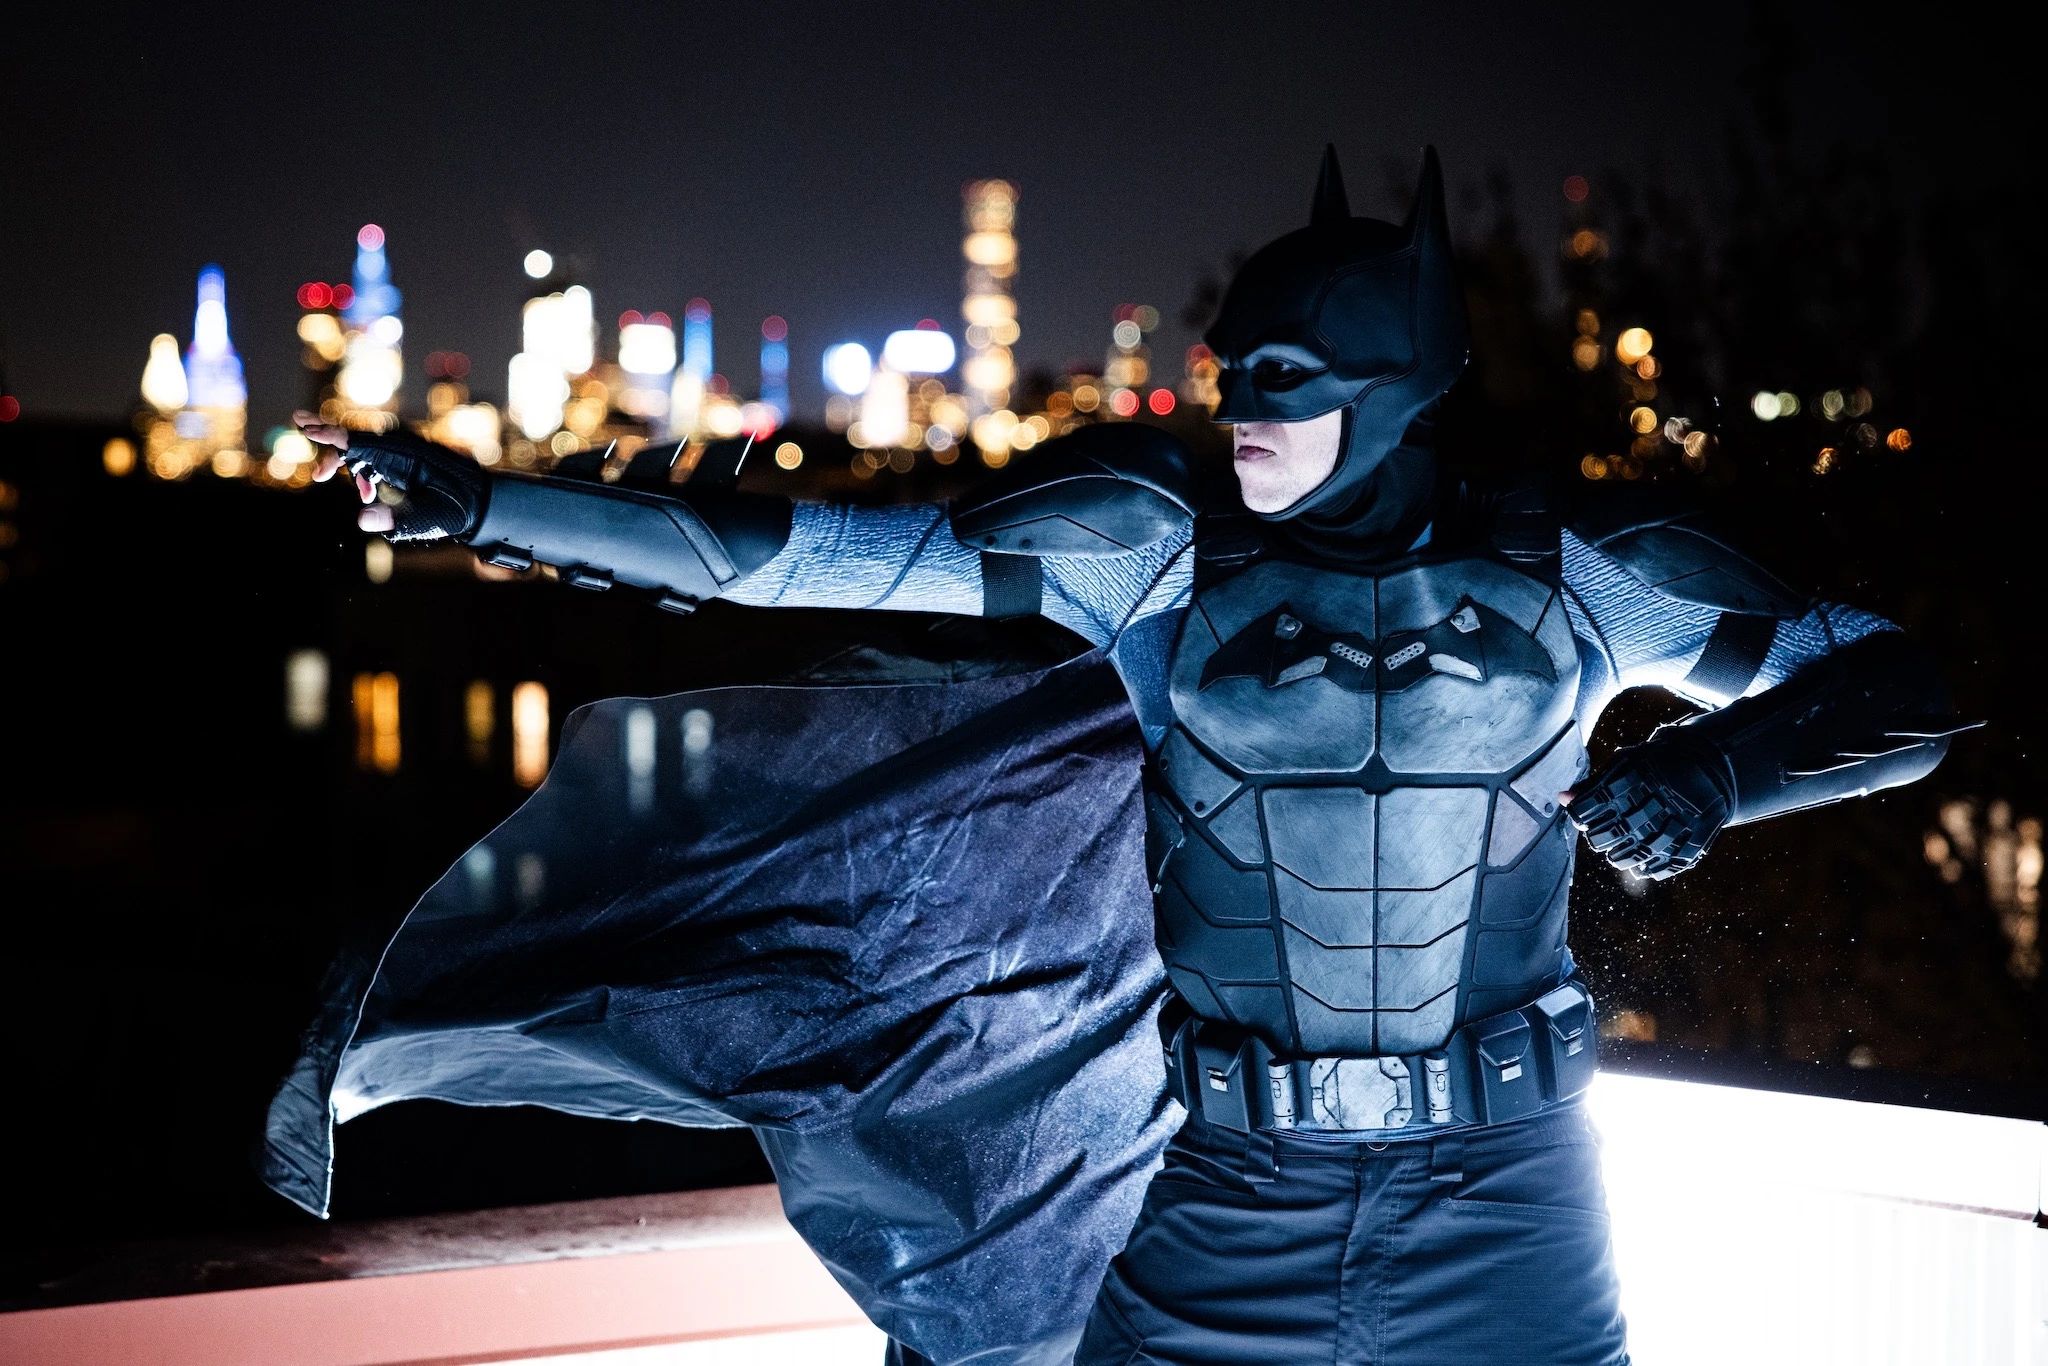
[(1099, 491), (1673, 547)]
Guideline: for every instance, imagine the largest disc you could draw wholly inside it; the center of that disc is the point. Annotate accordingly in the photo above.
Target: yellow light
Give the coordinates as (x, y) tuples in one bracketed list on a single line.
[(118, 456), (1899, 439), (902, 462), (1696, 445), (1586, 353), (305, 689), (1643, 420), (1589, 323), (1593, 467), (1087, 398), (989, 310), (1585, 244), (320, 331), (384, 750), (293, 448), (1632, 345), (789, 455), (989, 248), (163, 378), (1648, 367), (995, 460), (480, 719), (362, 700), (529, 734), (230, 464), (377, 560)]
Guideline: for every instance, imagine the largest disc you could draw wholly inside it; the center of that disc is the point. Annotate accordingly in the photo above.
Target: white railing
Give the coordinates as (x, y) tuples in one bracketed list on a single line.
[(1752, 1227), (1760, 1227)]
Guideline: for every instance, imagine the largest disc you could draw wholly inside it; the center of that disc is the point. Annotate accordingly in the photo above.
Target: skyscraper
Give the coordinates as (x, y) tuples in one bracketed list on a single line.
[(372, 366), (990, 308)]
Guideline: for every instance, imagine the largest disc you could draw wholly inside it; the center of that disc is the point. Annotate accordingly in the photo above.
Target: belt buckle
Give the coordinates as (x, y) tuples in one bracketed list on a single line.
[(1361, 1093)]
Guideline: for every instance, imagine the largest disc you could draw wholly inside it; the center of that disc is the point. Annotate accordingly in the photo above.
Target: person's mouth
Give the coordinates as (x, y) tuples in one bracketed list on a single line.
[(1250, 452)]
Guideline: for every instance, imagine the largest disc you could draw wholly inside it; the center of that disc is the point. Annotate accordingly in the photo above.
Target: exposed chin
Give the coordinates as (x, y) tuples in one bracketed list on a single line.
[(1261, 494)]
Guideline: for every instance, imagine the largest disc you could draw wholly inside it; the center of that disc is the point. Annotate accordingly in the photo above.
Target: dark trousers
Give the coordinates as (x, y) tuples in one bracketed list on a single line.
[(1484, 1248)]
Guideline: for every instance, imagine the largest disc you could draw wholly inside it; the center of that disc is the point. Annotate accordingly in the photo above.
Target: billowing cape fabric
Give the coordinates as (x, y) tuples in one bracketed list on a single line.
[(903, 931)]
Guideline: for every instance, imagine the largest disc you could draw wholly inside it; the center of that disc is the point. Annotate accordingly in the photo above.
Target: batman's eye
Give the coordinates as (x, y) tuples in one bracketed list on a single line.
[(1277, 374)]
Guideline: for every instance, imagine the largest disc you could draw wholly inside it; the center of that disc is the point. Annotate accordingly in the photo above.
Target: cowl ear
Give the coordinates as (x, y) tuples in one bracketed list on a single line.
[(1426, 216), (1330, 206)]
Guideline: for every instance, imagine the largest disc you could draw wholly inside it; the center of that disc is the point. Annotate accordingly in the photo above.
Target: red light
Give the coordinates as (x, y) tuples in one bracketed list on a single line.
[(773, 328), (698, 310), (10, 407), (717, 385), (927, 325), (343, 296), (458, 365), (660, 320), (1124, 313), (1161, 401), (1576, 189), (629, 317), (1199, 353), (315, 295), (437, 363), (370, 238), (1125, 404)]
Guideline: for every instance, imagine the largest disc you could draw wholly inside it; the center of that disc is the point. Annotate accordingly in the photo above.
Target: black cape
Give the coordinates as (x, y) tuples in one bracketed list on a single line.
[(902, 931)]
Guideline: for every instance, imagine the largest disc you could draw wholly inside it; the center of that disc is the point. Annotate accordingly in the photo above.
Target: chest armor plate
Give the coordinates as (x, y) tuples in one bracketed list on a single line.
[(1353, 817)]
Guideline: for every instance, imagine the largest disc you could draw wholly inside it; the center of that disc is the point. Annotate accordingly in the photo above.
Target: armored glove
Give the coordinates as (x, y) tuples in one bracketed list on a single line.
[(445, 491), (1657, 807)]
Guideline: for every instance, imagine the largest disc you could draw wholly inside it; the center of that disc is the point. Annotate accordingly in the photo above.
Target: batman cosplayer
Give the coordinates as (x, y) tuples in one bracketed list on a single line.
[(1363, 692)]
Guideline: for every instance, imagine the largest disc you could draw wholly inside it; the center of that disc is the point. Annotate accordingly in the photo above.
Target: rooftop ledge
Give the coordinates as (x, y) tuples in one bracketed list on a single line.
[(1750, 1225)]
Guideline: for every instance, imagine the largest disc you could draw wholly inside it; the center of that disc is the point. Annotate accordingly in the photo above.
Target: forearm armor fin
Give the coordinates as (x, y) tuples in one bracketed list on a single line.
[(683, 546), (1873, 714)]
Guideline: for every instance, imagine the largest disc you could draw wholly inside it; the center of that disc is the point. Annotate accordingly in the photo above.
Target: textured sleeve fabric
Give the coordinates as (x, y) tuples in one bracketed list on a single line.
[(905, 558), (1634, 636)]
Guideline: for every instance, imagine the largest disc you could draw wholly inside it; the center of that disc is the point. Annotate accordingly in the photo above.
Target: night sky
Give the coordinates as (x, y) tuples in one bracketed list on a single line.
[(807, 159)]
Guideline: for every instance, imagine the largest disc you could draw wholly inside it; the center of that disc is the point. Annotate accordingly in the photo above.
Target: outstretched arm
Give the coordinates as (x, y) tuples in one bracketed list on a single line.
[(1806, 702), (1087, 534)]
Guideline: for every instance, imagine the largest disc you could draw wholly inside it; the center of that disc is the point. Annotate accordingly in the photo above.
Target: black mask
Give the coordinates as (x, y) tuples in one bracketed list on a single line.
[(1353, 314)]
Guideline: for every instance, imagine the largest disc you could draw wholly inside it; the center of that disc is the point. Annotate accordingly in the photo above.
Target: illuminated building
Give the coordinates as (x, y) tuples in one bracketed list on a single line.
[(213, 372), (372, 364), (686, 396), (989, 307), (323, 339), (647, 363), (198, 411), (775, 368), (452, 419), (558, 335), (1129, 365)]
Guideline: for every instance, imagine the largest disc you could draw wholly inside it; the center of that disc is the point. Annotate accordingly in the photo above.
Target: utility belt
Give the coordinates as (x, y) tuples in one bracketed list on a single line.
[(1502, 1067)]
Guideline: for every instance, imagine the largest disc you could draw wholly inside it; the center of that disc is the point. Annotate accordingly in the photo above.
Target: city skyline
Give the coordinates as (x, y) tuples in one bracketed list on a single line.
[(794, 169)]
